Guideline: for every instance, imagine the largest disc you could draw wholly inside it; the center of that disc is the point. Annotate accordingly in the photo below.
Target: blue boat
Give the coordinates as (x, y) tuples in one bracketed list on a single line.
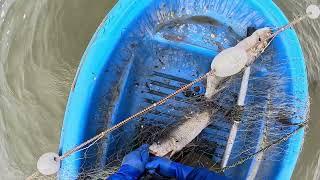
[(146, 49)]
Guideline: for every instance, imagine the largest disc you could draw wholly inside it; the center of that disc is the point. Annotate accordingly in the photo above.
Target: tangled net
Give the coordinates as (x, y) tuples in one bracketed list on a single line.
[(273, 114), (271, 117)]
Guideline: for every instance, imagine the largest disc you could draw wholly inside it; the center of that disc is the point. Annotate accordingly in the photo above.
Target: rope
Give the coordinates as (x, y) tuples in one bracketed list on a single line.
[(287, 26), (98, 137), (33, 176), (140, 113), (149, 108), (277, 32), (276, 142)]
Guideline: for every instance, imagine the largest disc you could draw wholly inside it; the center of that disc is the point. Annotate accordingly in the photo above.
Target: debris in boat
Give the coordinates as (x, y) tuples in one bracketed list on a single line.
[(181, 135), (173, 37)]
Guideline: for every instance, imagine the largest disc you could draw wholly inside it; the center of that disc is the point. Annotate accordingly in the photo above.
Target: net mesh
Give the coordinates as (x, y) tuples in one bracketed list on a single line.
[(273, 114), (269, 121)]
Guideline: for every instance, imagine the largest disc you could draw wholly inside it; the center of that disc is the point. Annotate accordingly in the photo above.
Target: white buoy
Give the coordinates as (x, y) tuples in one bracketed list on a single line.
[(48, 164), (313, 11), (229, 62)]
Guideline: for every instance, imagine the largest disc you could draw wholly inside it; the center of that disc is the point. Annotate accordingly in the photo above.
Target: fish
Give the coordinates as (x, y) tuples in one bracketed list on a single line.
[(253, 45), (181, 135)]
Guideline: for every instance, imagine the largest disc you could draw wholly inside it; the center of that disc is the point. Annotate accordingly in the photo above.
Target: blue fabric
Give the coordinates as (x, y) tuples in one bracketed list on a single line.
[(133, 164), (165, 167)]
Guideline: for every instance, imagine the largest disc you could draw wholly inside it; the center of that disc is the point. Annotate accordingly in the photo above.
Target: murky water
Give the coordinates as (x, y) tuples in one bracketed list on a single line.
[(41, 43)]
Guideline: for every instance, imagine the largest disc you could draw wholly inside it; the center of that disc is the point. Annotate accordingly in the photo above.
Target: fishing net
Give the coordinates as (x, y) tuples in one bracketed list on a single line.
[(269, 121), (275, 110)]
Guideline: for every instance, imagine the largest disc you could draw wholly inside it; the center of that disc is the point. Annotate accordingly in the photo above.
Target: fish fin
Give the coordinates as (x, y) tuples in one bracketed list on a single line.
[(172, 153)]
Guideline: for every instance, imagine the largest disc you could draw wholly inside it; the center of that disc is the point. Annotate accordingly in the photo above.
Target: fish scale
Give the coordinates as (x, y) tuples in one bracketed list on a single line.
[(217, 131)]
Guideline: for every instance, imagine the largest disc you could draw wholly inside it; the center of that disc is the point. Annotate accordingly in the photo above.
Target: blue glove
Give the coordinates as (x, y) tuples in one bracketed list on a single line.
[(202, 173), (133, 164), (167, 168)]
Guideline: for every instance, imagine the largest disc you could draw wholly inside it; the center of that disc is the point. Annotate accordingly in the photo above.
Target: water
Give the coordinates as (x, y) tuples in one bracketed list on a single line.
[(41, 43)]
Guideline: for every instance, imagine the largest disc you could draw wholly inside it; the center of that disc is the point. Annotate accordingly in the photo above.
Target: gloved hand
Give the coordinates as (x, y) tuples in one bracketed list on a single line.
[(168, 168), (133, 164)]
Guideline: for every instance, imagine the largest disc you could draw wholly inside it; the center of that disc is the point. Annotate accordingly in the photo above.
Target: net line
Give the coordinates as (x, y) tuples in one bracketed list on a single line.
[(87, 144), (104, 133)]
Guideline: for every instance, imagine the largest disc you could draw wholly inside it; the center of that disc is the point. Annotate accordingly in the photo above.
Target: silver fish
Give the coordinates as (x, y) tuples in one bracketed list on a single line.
[(254, 46), (181, 135)]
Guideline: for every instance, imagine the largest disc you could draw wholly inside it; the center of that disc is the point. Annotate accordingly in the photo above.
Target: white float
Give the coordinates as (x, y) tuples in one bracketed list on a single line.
[(313, 11), (48, 164)]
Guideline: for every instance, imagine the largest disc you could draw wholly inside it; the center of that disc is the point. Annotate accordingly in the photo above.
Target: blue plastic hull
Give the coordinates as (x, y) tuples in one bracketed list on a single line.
[(123, 55)]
